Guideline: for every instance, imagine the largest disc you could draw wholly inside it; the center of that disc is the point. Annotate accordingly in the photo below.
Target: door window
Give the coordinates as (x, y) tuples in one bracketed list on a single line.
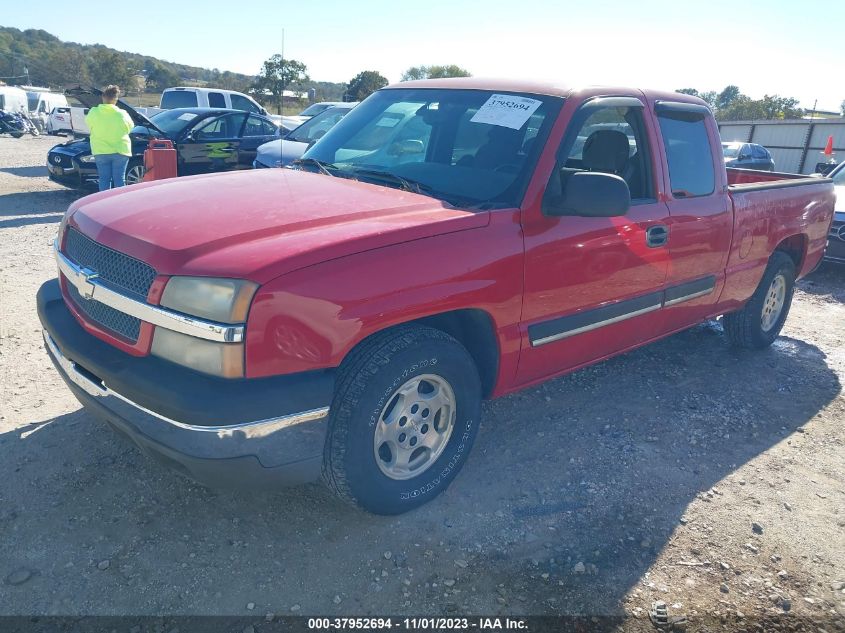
[(223, 127), (239, 102), (256, 126), (758, 152), (611, 140), (688, 153), (216, 100)]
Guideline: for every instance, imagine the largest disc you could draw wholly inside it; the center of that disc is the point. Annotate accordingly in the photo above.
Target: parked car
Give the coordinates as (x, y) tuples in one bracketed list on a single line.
[(836, 238), (349, 316), (312, 110), (41, 104), (59, 121), (206, 140), (747, 156), (284, 151), (182, 97)]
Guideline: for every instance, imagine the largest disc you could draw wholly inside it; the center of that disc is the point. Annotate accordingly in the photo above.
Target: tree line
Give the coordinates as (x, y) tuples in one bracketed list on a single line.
[(731, 105)]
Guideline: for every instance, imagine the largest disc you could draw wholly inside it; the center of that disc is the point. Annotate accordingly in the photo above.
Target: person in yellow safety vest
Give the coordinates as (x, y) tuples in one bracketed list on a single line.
[(110, 142)]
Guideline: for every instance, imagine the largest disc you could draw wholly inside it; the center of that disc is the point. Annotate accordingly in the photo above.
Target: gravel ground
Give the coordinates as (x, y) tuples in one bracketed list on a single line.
[(686, 471)]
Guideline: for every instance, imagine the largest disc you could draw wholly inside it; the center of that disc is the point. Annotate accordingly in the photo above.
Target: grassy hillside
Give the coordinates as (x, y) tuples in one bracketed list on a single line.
[(54, 63)]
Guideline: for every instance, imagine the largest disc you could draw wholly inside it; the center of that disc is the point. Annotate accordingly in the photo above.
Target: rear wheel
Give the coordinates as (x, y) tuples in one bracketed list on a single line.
[(135, 172), (403, 420), (16, 134), (758, 324)]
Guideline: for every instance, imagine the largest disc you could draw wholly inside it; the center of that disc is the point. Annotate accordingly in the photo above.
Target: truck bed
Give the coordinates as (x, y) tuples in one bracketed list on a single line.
[(747, 179), (774, 209)]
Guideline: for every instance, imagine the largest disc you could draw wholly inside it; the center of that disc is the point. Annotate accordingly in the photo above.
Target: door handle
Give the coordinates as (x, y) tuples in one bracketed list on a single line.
[(657, 235)]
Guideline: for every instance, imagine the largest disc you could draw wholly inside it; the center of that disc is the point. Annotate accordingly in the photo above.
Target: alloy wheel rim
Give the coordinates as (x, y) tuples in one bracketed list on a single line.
[(773, 303), (414, 427), (134, 174)]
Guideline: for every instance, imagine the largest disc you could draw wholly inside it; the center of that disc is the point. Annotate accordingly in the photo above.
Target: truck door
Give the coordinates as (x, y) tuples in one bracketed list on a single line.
[(701, 215), (590, 283)]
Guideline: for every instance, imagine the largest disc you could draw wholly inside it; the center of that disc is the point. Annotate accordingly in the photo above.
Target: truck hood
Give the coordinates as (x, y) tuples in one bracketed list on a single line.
[(259, 224)]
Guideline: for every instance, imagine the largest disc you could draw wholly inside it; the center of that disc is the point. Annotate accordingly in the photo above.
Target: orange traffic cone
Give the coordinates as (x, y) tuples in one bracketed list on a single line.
[(828, 149)]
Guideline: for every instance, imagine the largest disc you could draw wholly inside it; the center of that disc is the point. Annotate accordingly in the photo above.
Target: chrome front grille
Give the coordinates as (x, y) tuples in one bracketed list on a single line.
[(123, 273), (116, 269), (118, 322)]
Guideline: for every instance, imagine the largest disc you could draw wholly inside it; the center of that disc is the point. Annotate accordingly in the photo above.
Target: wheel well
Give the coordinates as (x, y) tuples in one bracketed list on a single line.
[(474, 329), (796, 247)]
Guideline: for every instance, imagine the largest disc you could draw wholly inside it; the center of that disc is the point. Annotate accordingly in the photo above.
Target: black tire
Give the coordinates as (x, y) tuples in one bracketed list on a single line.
[(16, 134), (744, 328), (367, 381)]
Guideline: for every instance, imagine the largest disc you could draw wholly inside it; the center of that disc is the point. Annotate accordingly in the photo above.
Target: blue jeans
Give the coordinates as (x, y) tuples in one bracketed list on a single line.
[(111, 168)]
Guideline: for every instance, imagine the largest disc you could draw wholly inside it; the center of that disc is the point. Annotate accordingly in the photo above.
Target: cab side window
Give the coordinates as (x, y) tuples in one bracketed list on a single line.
[(225, 127), (216, 100), (242, 103), (611, 140), (256, 126), (688, 153)]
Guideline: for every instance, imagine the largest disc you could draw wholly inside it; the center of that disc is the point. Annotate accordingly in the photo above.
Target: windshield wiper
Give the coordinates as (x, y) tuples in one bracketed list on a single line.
[(322, 166), (407, 184)]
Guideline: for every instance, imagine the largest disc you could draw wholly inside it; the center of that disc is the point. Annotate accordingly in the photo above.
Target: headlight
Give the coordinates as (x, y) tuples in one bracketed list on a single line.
[(86, 159), (219, 359), (221, 300), (60, 235)]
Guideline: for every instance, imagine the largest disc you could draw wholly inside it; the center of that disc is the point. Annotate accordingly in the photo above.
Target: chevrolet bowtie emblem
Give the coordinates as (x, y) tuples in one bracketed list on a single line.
[(87, 287)]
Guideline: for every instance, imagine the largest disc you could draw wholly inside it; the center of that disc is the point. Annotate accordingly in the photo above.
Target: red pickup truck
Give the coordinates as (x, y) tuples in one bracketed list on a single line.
[(448, 241)]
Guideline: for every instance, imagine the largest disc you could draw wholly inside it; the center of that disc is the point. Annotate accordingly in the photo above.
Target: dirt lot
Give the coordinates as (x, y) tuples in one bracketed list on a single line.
[(635, 480)]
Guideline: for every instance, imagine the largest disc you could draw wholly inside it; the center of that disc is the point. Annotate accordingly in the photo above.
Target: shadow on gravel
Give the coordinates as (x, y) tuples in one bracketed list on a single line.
[(828, 281), (584, 479), (38, 219), (37, 202), (38, 171)]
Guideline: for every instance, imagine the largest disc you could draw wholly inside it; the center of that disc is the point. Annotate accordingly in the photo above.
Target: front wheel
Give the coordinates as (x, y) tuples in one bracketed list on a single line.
[(758, 324), (135, 172), (403, 420)]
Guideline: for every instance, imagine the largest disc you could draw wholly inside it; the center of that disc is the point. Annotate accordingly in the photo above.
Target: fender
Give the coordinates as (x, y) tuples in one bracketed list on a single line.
[(311, 318)]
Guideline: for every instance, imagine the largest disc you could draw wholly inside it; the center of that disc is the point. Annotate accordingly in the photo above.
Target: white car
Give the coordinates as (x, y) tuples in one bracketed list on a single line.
[(58, 122)]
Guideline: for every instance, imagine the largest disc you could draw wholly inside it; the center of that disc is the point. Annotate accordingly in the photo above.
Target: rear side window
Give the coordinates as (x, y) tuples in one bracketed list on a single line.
[(689, 155), (216, 100), (179, 99), (240, 102)]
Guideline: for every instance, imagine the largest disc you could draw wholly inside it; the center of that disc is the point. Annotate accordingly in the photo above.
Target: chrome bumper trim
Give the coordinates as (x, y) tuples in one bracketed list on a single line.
[(89, 287), (259, 428)]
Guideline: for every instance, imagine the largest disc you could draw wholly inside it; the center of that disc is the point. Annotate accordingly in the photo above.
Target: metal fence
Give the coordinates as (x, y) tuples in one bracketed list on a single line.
[(795, 145)]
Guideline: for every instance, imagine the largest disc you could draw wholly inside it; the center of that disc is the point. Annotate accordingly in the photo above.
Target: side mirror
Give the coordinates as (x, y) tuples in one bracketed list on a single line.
[(408, 146), (591, 195)]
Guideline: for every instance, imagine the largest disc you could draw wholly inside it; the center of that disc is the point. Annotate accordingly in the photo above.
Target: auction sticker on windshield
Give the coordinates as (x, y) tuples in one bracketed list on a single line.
[(506, 111)]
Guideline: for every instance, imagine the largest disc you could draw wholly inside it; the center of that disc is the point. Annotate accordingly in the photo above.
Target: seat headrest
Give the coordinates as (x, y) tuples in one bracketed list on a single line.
[(606, 151)]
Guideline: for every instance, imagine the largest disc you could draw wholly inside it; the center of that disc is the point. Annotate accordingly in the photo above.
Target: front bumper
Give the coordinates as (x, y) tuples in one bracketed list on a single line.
[(249, 433), (75, 176)]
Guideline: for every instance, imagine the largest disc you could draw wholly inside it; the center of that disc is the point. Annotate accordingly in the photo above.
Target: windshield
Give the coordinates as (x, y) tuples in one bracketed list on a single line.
[(730, 151), (838, 175), (315, 109), (32, 102), (171, 122), (467, 147), (315, 127)]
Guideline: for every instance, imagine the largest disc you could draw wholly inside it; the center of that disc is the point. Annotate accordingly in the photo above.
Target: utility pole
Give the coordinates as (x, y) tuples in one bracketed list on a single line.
[(284, 83)]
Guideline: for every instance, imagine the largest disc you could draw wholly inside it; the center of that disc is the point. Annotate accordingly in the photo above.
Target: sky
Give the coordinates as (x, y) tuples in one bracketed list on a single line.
[(764, 47)]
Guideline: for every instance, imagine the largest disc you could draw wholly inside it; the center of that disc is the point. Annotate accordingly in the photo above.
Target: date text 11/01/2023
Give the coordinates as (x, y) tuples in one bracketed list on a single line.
[(418, 623)]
